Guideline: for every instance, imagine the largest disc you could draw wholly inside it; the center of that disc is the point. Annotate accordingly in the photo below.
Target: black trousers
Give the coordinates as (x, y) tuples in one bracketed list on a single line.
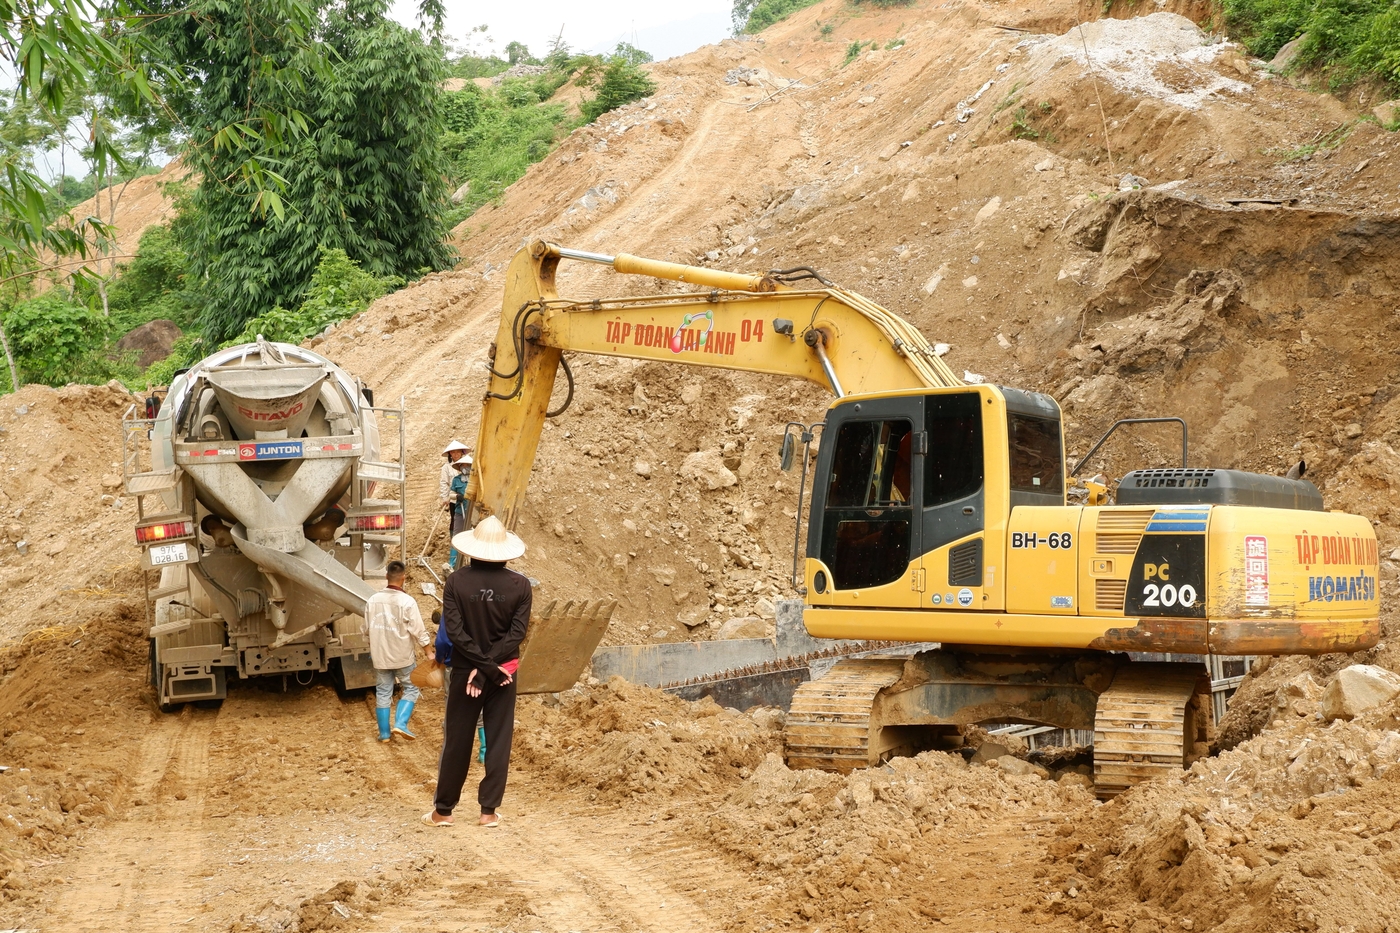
[(496, 706)]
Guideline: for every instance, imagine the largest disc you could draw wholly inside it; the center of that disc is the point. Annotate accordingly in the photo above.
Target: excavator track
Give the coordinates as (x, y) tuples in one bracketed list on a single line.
[(1150, 723), (829, 724)]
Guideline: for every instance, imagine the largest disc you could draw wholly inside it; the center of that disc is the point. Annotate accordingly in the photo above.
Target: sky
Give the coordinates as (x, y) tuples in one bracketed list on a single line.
[(663, 29)]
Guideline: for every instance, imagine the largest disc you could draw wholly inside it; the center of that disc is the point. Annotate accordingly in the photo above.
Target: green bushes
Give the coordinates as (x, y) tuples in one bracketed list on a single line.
[(1352, 39), (56, 340), (493, 136), (152, 285), (508, 133), (751, 16), (60, 337), (339, 289), (621, 83)]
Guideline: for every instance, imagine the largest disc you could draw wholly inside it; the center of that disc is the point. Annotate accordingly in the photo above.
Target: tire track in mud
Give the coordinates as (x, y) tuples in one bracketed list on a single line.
[(135, 874), (561, 870)]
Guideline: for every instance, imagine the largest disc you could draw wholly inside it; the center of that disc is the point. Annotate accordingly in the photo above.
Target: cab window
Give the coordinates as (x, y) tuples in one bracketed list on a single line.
[(871, 465), (1036, 463), (867, 528), (953, 467)]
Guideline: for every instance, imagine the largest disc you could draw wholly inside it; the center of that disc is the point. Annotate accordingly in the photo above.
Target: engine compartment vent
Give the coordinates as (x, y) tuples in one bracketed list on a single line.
[(1119, 532), (1217, 487), (965, 564), (1109, 595)]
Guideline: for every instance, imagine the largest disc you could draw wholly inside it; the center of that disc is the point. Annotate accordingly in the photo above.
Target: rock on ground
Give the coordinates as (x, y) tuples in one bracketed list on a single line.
[(1358, 688)]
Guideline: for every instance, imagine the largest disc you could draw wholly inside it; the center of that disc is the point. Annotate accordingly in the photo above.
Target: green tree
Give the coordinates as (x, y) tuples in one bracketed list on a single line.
[(339, 289), (631, 54), (621, 82), (517, 52), (364, 174), (92, 68), (51, 337), (57, 52)]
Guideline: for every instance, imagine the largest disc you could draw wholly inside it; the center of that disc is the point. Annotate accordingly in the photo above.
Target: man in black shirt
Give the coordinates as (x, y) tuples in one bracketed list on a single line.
[(486, 609)]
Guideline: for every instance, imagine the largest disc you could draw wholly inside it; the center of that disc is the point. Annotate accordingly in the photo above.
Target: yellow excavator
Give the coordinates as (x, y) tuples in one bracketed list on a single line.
[(938, 513)]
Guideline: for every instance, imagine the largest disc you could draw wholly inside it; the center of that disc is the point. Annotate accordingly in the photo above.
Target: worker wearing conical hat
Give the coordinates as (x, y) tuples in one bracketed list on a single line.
[(451, 483), (453, 452), (486, 609)]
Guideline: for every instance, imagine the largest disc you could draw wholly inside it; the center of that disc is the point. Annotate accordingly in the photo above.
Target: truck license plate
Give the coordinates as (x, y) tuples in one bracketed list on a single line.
[(169, 554)]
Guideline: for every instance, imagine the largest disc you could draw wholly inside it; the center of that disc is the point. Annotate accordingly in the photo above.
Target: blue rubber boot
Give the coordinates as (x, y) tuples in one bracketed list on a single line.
[(481, 739), (383, 716), (404, 711)]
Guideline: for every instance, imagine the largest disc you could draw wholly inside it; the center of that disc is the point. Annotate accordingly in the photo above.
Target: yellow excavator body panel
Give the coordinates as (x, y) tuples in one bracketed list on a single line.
[(1201, 579)]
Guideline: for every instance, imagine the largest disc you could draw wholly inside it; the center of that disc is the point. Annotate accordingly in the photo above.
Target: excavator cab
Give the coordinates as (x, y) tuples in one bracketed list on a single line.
[(913, 490)]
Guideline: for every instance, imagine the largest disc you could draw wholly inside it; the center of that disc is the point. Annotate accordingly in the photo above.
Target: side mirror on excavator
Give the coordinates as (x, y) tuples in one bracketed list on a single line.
[(788, 448)]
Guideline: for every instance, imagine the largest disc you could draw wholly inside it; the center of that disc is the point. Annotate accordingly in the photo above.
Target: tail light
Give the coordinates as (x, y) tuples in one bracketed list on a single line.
[(389, 522), (165, 531)]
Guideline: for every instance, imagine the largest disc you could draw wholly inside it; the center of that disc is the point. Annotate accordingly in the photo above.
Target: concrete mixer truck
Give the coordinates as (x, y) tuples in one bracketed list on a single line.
[(267, 503)]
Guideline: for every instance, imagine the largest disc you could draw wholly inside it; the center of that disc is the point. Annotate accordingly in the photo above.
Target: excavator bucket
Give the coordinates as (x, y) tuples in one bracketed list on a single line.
[(560, 643)]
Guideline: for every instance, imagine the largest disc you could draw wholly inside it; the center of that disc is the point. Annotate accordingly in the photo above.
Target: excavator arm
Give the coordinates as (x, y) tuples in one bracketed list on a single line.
[(750, 323)]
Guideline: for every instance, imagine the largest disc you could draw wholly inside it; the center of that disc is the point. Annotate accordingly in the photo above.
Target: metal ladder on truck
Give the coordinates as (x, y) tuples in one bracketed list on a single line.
[(149, 487), (366, 495)]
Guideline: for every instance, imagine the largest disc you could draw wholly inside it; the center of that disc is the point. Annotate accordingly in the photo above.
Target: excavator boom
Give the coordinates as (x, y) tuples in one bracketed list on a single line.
[(750, 323)]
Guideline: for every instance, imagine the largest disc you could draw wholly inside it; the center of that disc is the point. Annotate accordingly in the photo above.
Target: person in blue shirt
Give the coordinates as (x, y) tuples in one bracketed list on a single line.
[(442, 651)]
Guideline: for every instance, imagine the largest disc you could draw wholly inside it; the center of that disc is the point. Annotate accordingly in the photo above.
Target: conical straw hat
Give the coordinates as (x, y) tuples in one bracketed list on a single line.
[(455, 445), (489, 541)]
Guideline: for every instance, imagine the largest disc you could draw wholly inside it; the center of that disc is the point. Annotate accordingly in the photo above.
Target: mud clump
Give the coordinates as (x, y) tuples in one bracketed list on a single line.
[(876, 849), (66, 698), (330, 910), (627, 741), (1296, 828)]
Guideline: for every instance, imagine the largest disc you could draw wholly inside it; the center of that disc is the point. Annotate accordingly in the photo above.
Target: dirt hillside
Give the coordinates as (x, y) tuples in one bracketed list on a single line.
[(1135, 217), (962, 179), (130, 208)]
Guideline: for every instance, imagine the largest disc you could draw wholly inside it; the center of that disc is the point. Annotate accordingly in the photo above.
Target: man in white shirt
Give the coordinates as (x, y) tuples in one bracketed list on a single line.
[(393, 623)]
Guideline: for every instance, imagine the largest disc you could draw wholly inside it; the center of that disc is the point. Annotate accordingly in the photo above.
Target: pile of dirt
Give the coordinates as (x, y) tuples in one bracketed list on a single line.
[(871, 850), (627, 742), (66, 548), (1298, 828), (69, 693)]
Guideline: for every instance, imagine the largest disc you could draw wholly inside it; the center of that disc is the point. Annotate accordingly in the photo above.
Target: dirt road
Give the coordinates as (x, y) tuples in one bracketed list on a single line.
[(956, 172), (282, 812)]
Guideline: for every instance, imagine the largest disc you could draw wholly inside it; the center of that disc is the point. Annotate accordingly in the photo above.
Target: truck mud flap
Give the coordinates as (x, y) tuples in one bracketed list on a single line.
[(354, 673)]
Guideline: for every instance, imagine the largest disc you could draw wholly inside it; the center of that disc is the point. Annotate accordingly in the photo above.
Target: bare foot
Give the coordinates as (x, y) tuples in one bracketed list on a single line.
[(489, 820)]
